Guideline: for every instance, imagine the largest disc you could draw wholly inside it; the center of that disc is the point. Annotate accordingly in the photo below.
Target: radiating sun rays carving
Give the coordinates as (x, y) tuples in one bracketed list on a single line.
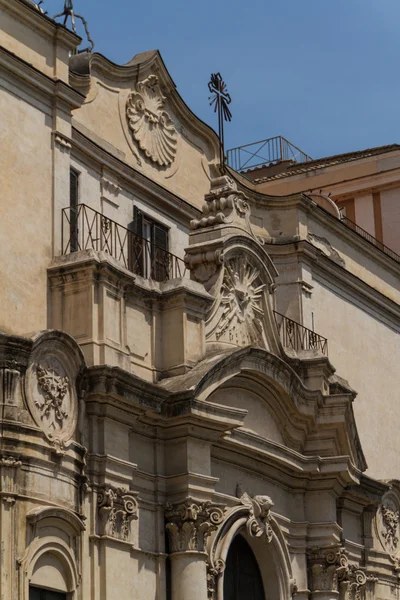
[(242, 295)]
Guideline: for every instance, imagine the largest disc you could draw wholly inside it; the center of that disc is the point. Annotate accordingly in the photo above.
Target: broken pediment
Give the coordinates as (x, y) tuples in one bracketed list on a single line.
[(136, 114)]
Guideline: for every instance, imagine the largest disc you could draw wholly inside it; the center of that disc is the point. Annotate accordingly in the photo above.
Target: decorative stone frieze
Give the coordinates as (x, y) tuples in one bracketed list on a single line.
[(150, 124), (117, 508), (189, 524)]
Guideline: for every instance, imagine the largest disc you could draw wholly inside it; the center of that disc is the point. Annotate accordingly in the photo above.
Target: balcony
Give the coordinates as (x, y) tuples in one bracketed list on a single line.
[(265, 153), (298, 338), (84, 228), (370, 238)]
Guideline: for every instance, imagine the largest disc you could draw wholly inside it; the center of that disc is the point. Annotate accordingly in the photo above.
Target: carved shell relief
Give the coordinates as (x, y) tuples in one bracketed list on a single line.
[(151, 125), (239, 315)]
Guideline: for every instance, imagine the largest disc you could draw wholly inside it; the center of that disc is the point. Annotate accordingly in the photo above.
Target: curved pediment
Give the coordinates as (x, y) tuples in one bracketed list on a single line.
[(287, 411), (136, 112)]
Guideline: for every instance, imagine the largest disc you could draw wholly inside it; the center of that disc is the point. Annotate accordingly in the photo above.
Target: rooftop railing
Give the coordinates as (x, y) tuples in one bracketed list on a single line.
[(370, 238), (297, 337), (266, 152), (84, 228)]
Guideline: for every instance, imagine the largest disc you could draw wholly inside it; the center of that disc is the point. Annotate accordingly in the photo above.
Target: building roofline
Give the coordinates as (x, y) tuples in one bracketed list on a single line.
[(329, 161)]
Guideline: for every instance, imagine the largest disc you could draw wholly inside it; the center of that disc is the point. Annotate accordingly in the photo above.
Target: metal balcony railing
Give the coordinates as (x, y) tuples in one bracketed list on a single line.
[(370, 238), (266, 152), (296, 337), (84, 228)]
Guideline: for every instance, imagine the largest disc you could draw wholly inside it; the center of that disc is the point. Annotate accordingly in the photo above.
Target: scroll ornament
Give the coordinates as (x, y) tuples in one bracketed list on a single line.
[(117, 508), (190, 523)]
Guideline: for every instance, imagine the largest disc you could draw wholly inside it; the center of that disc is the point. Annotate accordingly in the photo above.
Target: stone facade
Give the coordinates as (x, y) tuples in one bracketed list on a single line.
[(165, 381)]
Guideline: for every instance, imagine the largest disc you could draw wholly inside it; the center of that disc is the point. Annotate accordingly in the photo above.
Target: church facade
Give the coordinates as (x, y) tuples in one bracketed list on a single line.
[(199, 380)]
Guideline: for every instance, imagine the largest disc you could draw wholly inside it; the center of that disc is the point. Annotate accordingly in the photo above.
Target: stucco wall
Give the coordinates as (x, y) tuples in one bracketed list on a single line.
[(365, 352), (25, 213), (390, 204)]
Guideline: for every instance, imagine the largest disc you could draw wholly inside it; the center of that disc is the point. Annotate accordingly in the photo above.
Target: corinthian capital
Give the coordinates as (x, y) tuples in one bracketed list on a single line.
[(190, 523)]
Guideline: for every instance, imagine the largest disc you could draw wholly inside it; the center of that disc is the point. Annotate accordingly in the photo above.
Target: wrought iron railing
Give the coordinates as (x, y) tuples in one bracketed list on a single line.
[(265, 152), (296, 337), (84, 228), (370, 238)]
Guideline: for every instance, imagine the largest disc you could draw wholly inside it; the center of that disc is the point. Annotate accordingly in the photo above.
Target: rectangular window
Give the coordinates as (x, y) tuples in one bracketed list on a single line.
[(148, 250), (73, 210)]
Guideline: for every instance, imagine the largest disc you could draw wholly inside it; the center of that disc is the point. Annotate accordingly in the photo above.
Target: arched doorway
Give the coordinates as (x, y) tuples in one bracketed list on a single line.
[(242, 578)]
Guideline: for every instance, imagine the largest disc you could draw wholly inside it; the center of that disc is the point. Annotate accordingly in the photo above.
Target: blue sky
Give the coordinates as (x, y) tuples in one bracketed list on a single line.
[(323, 73)]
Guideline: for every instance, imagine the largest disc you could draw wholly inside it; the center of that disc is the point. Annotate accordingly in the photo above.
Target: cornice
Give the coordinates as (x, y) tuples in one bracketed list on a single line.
[(386, 309), (182, 210), (28, 14), (40, 85)]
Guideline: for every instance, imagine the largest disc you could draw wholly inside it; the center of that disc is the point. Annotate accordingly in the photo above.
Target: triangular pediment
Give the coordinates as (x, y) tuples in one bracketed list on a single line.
[(136, 113)]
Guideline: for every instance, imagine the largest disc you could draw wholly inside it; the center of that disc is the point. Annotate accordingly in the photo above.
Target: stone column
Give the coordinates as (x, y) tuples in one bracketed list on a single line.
[(189, 524)]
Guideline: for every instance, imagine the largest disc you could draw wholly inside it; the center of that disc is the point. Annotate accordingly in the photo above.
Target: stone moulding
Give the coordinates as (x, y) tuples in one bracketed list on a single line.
[(150, 124)]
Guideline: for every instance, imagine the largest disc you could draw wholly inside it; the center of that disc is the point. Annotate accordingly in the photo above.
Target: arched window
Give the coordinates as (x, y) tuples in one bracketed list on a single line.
[(242, 579)]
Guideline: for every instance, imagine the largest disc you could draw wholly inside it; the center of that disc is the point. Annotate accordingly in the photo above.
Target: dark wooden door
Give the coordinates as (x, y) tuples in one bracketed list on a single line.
[(242, 579)]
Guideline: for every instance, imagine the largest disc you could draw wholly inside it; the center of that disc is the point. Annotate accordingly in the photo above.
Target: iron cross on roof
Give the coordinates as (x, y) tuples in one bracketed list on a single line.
[(69, 12), (220, 99)]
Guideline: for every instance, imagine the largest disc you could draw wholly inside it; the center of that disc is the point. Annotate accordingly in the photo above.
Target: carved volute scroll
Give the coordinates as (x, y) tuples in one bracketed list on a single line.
[(190, 523), (117, 508), (151, 125), (330, 571)]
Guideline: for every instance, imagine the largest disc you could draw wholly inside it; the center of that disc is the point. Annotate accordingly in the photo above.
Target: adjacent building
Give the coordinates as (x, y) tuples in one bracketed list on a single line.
[(199, 367)]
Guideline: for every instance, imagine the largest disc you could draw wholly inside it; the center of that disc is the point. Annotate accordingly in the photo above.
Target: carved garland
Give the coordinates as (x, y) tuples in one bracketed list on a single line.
[(151, 125)]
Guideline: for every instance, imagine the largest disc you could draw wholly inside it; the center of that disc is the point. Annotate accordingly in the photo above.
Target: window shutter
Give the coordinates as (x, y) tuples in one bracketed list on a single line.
[(160, 256), (73, 211), (73, 187), (160, 236), (138, 221), (136, 248)]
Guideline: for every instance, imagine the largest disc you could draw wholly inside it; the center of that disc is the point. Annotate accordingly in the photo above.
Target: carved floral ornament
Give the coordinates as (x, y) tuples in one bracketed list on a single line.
[(201, 526), (150, 124)]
